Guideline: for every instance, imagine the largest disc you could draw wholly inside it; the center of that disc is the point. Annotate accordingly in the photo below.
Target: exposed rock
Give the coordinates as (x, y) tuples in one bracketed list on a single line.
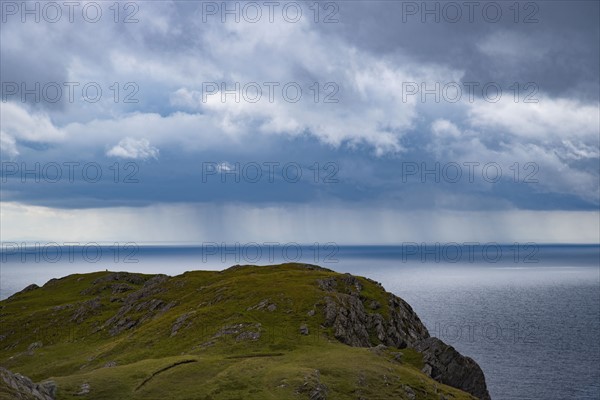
[(304, 329), (86, 309), (124, 319), (121, 287), (248, 335), (313, 267), (84, 389), (34, 345), (19, 387), (446, 365), (117, 282), (134, 279), (311, 313), (243, 331), (312, 387), (263, 305), (374, 305), (410, 393), (348, 319), (62, 307), (328, 284), (179, 323), (50, 387), (156, 280), (122, 324), (354, 326), (110, 364), (353, 283), (260, 306), (379, 349)]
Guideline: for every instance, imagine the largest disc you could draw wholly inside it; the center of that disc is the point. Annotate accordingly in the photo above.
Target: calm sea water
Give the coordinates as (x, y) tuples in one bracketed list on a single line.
[(529, 315)]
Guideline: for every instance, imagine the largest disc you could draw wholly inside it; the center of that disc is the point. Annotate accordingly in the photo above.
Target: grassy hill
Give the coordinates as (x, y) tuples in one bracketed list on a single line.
[(277, 332)]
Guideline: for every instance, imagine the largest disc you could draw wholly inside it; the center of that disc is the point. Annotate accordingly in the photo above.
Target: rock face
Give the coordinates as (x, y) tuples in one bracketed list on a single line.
[(137, 302), (446, 365), (357, 326), (19, 387), (360, 322)]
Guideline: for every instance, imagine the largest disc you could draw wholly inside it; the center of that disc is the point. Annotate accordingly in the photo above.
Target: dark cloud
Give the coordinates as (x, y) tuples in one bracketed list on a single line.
[(370, 134)]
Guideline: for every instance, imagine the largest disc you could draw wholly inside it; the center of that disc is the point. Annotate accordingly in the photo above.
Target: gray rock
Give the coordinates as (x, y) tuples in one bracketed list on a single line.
[(134, 279), (179, 323), (260, 306), (446, 365), (328, 284), (34, 345), (19, 387), (263, 305), (304, 329), (374, 305), (62, 307), (84, 389), (86, 309), (353, 283), (50, 388), (243, 331), (248, 335), (353, 325), (313, 387), (410, 393), (136, 302), (379, 349), (121, 287)]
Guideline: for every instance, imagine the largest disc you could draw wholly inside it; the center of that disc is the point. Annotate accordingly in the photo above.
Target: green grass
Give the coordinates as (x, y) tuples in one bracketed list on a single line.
[(194, 364)]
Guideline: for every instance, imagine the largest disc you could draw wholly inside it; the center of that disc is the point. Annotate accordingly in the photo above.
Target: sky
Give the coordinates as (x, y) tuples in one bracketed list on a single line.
[(351, 122)]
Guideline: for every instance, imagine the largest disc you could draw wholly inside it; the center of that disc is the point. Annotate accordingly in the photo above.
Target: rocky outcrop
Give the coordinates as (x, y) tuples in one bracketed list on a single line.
[(179, 323), (87, 309), (19, 387), (137, 308), (446, 365), (360, 326), (313, 387), (263, 305), (118, 282), (128, 277), (361, 322)]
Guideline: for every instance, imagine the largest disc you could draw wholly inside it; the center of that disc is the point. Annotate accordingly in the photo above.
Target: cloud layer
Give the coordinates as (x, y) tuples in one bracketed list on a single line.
[(371, 92)]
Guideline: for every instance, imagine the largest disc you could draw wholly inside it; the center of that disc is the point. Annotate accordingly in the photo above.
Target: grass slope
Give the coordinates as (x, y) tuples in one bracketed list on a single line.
[(232, 334)]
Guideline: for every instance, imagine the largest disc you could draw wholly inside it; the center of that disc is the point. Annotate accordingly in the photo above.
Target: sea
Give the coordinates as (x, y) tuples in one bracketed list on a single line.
[(529, 314)]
